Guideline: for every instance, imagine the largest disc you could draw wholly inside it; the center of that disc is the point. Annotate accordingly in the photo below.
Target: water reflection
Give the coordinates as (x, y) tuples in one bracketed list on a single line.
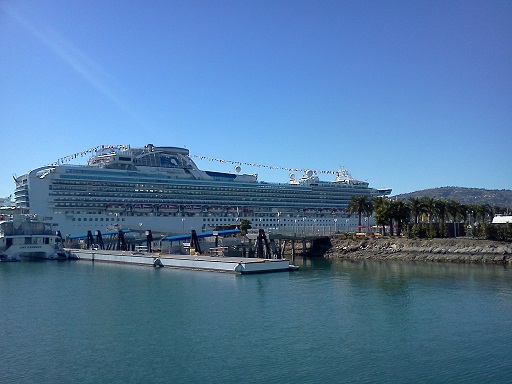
[(393, 277)]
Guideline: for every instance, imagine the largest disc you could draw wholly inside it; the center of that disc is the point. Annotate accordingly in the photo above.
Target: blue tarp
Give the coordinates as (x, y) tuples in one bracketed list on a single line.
[(94, 234), (225, 232)]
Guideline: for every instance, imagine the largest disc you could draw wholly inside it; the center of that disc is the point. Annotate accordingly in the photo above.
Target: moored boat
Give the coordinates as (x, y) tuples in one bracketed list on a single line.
[(28, 236), (162, 189)]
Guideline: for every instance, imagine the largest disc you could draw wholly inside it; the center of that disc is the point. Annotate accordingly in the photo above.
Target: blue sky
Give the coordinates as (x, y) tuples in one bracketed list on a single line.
[(406, 94)]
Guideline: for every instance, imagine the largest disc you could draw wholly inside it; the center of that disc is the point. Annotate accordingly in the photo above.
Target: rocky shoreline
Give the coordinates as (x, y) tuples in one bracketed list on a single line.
[(460, 250)]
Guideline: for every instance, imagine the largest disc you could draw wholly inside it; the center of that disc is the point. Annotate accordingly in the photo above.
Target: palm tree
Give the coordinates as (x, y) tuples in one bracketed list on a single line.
[(483, 210), (454, 208), (245, 224), (381, 205), (417, 208), (429, 207), (360, 205), (441, 209), (400, 212)]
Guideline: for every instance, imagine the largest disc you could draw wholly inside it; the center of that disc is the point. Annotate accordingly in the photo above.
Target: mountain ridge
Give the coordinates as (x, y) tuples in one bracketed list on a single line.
[(493, 197)]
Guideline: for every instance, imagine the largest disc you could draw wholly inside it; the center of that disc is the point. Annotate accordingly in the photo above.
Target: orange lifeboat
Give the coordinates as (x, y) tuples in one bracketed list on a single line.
[(142, 208), (168, 208)]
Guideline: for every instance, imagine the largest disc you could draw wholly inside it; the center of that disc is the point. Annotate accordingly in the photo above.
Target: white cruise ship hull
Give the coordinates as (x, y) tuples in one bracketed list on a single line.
[(162, 190)]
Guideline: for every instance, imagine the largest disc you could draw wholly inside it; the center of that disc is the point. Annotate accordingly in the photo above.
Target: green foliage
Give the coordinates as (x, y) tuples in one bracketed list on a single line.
[(433, 218), (245, 224), (502, 232), (416, 231), (432, 231), (360, 205)]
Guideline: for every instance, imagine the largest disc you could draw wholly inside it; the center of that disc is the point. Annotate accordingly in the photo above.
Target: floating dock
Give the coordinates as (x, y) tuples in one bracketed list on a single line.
[(241, 265)]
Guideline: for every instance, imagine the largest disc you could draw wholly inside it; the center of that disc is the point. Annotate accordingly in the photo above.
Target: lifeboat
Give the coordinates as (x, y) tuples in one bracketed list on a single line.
[(309, 210), (233, 209), (327, 210), (215, 209), (168, 208), (115, 207), (192, 208), (142, 208)]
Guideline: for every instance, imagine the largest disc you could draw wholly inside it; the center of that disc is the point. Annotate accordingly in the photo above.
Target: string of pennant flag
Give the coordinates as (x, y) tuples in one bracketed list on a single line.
[(124, 147), (273, 167), (90, 151)]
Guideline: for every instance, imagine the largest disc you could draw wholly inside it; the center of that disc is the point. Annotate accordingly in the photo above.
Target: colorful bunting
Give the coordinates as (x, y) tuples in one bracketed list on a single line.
[(123, 147), (97, 149), (273, 167)]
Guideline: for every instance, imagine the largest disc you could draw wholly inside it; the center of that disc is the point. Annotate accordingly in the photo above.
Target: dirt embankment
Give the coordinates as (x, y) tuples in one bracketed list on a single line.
[(459, 250)]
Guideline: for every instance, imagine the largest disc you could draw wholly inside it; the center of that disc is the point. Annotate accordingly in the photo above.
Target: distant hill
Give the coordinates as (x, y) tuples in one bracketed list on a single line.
[(493, 197)]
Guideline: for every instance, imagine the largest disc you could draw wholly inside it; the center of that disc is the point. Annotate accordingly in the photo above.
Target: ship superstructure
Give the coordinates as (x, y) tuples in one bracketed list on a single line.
[(162, 189)]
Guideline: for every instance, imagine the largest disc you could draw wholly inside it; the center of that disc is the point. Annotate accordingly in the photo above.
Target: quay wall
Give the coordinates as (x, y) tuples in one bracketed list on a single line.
[(460, 250)]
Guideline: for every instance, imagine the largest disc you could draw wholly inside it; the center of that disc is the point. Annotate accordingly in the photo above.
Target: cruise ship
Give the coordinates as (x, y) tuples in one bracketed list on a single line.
[(161, 189)]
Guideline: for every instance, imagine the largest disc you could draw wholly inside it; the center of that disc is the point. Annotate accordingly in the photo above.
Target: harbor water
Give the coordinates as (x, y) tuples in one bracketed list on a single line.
[(331, 322)]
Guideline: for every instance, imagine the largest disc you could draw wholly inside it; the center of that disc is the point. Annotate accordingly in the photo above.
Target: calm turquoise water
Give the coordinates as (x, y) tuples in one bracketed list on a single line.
[(331, 322)]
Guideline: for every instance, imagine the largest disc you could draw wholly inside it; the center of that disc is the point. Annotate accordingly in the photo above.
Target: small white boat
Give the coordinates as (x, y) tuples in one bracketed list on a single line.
[(27, 236)]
